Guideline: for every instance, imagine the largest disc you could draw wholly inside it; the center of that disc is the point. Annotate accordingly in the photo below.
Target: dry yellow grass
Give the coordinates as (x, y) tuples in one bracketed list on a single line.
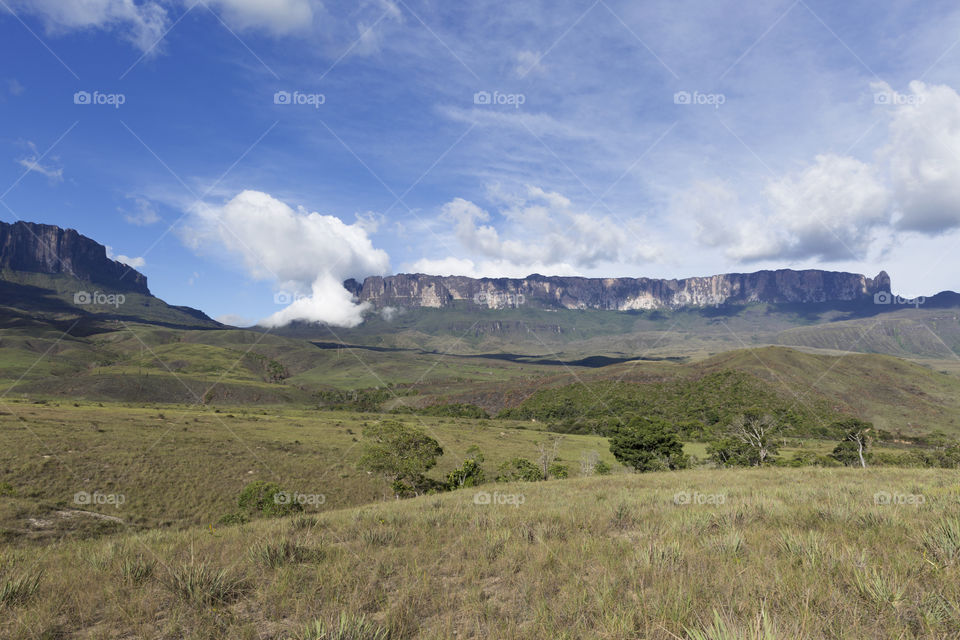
[(771, 553)]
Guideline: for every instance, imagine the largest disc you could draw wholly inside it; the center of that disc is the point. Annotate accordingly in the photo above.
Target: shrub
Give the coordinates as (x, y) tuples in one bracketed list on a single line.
[(266, 499), (602, 469), (234, 518), (519, 469), (558, 471)]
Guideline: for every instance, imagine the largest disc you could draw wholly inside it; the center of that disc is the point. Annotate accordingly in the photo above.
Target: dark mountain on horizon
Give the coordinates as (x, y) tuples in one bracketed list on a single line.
[(54, 275), (783, 286)]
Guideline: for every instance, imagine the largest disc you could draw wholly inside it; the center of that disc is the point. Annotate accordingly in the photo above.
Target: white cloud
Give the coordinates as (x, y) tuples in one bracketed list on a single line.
[(31, 162), (535, 231), (923, 156), (275, 16), (306, 253), (136, 263), (489, 268), (144, 213), (142, 24), (839, 207), (370, 221), (829, 210), (528, 62)]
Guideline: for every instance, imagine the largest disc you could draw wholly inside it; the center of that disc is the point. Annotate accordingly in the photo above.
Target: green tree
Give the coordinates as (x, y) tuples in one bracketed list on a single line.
[(468, 474), (648, 444), (402, 453), (852, 450), (751, 441)]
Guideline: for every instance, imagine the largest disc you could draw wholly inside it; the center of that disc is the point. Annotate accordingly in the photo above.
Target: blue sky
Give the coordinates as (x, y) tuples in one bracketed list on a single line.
[(278, 147)]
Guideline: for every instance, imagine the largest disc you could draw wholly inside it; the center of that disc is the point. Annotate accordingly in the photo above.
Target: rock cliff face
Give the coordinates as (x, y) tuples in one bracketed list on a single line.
[(620, 294), (43, 248)]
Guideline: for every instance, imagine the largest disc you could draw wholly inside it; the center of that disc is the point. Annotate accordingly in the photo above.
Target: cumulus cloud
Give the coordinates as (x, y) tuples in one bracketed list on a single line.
[(136, 263), (923, 156), (534, 231), (143, 24), (840, 207), (827, 210), (306, 255)]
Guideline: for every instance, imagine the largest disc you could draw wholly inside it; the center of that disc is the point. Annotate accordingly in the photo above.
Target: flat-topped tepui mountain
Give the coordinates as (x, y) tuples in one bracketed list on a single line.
[(44, 248), (50, 274), (783, 286)]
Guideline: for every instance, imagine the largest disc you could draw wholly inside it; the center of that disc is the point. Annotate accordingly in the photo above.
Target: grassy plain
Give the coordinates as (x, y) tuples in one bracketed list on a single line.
[(769, 553)]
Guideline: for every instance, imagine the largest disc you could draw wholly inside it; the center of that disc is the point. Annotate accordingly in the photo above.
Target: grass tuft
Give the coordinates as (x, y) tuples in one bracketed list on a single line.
[(348, 627), (18, 590), (943, 542), (200, 584)]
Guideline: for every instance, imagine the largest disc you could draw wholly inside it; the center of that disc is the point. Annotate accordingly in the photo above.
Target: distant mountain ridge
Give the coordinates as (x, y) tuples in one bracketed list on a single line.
[(46, 248), (619, 294)]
